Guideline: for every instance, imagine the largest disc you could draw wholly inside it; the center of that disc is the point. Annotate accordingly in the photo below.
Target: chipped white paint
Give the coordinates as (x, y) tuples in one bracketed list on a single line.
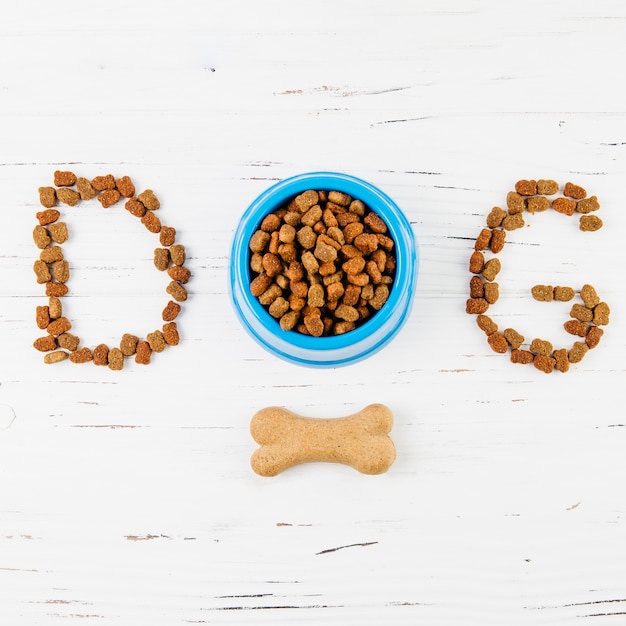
[(127, 498)]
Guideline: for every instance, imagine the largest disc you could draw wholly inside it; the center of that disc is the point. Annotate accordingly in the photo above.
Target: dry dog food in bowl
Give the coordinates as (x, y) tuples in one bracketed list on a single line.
[(323, 269)]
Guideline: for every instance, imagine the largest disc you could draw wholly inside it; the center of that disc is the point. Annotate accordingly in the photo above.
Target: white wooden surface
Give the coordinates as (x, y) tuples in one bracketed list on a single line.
[(127, 498)]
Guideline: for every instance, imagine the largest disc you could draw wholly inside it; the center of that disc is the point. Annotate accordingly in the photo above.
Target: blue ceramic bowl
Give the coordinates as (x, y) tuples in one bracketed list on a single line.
[(337, 350)]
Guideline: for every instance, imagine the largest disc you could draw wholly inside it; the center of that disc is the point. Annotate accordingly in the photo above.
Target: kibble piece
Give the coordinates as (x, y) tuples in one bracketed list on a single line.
[(68, 196), (149, 200), (566, 206), (167, 236), (515, 202), (524, 357), (58, 232), (47, 216), (178, 254), (582, 313), (100, 183), (542, 293), (156, 341), (259, 241), (56, 289), (125, 186), (574, 191), (477, 289), (544, 363), (314, 325), (340, 198), (258, 285), (587, 205), (486, 324), (306, 237), (161, 259), (491, 269), (47, 196), (52, 254), (171, 311), (375, 223), (575, 327), (347, 313), (589, 296), (41, 237), (537, 204), (477, 262), (563, 294), (278, 307), (497, 342), (514, 338), (498, 237), (42, 272), (116, 359), (170, 334), (513, 222), (55, 357), (101, 354), (134, 207), (61, 271), (42, 316), (526, 187), (495, 217), (306, 200), (64, 178), (590, 223), (67, 341), (474, 306), (143, 353), (180, 274), (109, 197), (59, 326), (601, 314), (151, 222), (366, 243), (547, 187), (85, 189), (316, 296), (594, 334), (83, 355), (128, 344), (45, 344), (577, 352), (289, 320), (561, 360), (483, 239), (492, 292), (55, 308), (541, 346)]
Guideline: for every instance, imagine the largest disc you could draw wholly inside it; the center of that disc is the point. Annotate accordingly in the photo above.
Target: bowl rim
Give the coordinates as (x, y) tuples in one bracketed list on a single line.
[(276, 196)]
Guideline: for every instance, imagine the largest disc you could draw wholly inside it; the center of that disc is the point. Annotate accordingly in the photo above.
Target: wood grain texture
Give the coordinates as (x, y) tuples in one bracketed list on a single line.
[(128, 498)]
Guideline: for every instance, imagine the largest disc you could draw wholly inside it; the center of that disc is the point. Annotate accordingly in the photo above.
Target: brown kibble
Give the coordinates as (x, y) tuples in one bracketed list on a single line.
[(498, 237), (157, 341), (171, 311), (515, 203), (601, 314), (542, 293), (134, 207), (47, 216), (537, 204), (541, 347), (59, 326), (55, 357), (56, 289), (85, 189), (83, 355), (167, 236), (590, 223), (289, 320), (179, 273), (366, 243), (259, 241), (574, 191), (151, 222), (561, 360), (483, 239), (564, 206), (67, 341), (170, 334), (492, 269), (41, 272), (547, 187), (128, 344), (589, 296), (577, 352), (101, 183), (563, 294), (514, 338), (497, 342), (278, 307), (495, 217), (149, 200), (125, 186), (316, 296), (346, 313), (55, 308), (61, 271), (314, 325), (594, 334), (116, 359), (544, 363), (58, 232), (101, 354), (475, 306), (575, 327), (526, 187), (492, 292), (45, 344), (109, 197), (582, 313), (513, 222), (476, 262), (143, 353), (42, 316), (375, 223), (306, 200), (179, 293), (68, 196), (177, 254), (340, 198), (486, 324), (477, 289), (587, 205), (161, 259), (51, 255), (523, 357), (47, 196), (64, 179), (41, 237)]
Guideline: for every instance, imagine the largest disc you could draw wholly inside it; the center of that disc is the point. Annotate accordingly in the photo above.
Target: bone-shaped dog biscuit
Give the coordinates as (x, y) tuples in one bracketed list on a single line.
[(360, 440)]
